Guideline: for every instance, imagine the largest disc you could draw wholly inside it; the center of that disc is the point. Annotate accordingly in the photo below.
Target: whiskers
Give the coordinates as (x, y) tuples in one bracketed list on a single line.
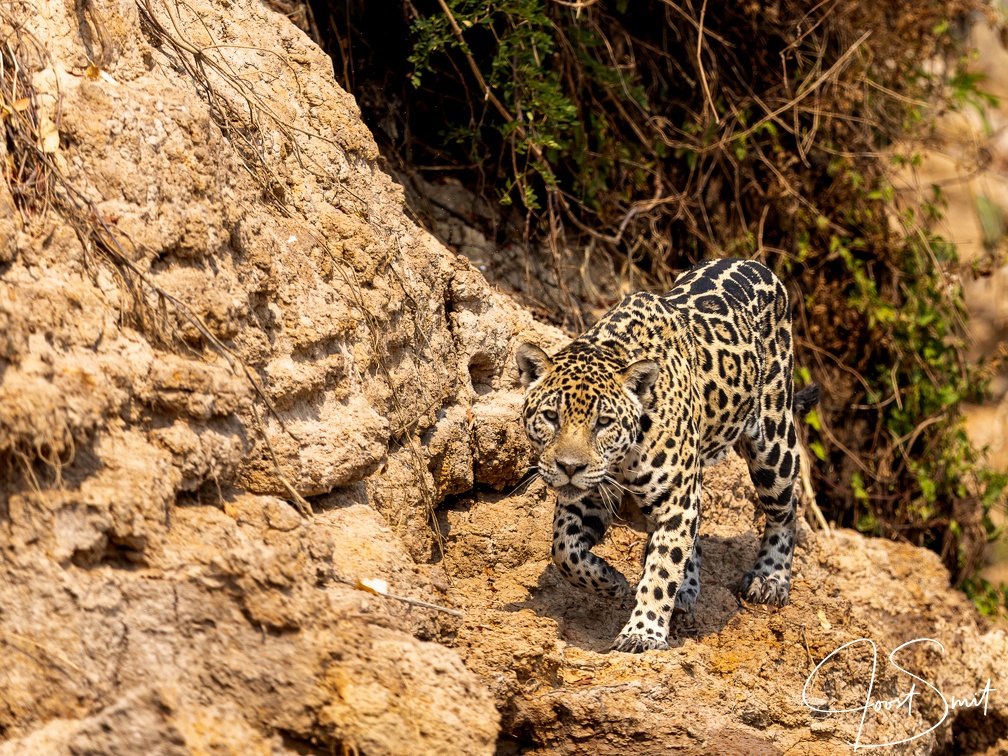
[(528, 480), (610, 480), (611, 492), (624, 471)]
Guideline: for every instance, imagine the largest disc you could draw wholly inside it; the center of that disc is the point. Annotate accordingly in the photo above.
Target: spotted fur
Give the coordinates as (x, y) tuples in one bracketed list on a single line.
[(659, 387)]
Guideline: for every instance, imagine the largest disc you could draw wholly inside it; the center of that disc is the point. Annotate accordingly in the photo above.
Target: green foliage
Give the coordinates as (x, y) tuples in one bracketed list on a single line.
[(915, 377), (670, 138), (967, 92), (543, 118), (990, 599)]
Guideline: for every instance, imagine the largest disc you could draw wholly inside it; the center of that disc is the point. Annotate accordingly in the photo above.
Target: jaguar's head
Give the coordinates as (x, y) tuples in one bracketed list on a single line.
[(583, 412)]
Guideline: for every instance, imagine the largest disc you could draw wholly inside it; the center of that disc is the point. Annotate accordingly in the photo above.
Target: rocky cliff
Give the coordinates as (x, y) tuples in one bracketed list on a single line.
[(247, 406)]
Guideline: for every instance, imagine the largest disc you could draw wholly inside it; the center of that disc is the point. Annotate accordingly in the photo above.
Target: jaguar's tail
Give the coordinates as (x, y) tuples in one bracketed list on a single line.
[(805, 400)]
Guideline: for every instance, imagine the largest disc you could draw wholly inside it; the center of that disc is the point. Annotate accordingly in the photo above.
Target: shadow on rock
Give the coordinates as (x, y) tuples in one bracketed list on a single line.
[(591, 622)]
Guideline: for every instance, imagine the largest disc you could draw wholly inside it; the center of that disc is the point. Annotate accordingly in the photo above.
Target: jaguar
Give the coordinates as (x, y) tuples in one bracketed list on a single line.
[(658, 388)]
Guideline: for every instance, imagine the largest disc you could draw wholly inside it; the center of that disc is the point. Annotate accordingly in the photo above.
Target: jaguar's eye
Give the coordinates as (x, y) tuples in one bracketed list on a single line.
[(604, 422), (550, 415)]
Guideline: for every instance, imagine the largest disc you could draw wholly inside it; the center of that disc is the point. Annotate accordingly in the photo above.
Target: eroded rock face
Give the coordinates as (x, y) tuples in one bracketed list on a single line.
[(245, 611), (294, 331), (149, 416)]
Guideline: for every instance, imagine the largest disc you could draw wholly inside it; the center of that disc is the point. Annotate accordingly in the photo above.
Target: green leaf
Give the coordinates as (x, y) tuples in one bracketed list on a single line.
[(858, 487), (992, 220), (818, 449)]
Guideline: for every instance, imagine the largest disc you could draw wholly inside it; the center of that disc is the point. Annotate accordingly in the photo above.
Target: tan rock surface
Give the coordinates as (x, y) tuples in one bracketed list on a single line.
[(733, 682), (156, 596)]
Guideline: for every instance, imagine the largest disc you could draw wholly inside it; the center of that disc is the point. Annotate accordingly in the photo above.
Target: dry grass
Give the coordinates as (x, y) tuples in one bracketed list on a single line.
[(29, 133)]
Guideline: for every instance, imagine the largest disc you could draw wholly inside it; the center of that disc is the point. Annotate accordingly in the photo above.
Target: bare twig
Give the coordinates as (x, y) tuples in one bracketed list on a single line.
[(809, 492), (297, 498), (709, 102), (578, 6), (13, 640), (378, 588)]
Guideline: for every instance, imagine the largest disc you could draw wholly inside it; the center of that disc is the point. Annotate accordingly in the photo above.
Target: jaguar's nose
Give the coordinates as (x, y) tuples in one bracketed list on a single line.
[(573, 469)]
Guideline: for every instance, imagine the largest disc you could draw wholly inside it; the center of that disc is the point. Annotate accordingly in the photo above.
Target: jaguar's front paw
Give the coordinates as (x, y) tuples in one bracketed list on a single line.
[(765, 589), (636, 643)]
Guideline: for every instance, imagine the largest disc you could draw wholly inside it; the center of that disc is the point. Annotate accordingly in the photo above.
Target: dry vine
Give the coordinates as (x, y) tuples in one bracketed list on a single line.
[(37, 183), (241, 114)]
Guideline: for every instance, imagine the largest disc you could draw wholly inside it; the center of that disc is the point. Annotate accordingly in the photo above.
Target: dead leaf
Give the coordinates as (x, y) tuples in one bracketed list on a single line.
[(576, 677), (372, 585), (48, 136), (822, 620)]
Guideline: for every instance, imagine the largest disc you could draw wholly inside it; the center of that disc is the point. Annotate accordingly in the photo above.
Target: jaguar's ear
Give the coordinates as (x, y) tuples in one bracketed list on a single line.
[(639, 378), (533, 363)]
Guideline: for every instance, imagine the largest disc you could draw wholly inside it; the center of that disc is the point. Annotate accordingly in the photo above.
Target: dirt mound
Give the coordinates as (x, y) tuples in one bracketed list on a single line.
[(212, 305)]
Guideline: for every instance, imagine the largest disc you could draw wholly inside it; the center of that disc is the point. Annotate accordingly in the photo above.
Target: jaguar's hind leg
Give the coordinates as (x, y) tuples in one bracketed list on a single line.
[(686, 598), (772, 456), (772, 467)]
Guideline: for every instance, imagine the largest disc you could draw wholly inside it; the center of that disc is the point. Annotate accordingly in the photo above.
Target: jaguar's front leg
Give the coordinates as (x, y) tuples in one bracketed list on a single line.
[(577, 527), (669, 546)]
